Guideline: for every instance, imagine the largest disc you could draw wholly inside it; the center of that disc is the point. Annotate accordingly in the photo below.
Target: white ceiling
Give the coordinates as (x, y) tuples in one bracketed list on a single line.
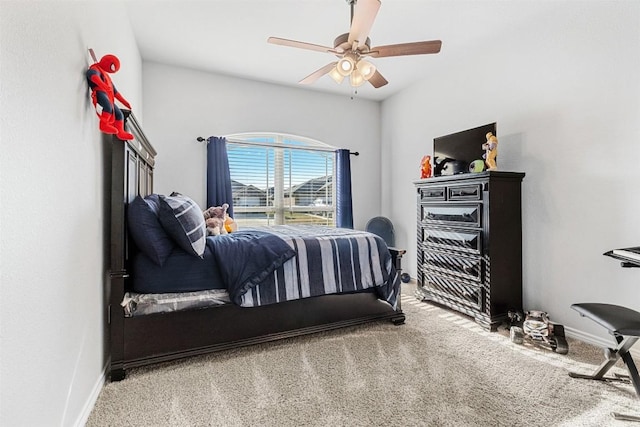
[(230, 36)]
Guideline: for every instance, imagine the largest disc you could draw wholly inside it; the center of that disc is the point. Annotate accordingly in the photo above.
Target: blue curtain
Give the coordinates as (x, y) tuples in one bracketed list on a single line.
[(344, 208), (218, 177)]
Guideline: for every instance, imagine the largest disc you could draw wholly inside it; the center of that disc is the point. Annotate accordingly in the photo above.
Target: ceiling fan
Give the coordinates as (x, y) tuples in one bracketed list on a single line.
[(353, 47)]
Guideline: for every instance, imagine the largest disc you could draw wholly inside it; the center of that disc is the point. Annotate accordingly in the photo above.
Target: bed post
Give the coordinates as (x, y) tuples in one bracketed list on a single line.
[(117, 271), (131, 174), (396, 259)]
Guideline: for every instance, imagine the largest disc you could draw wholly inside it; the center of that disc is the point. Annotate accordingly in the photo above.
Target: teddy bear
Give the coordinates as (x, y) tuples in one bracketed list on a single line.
[(214, 218), (491, 151)]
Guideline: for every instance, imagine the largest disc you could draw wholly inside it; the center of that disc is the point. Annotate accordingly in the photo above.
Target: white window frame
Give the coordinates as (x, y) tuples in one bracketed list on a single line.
[(279, 208)]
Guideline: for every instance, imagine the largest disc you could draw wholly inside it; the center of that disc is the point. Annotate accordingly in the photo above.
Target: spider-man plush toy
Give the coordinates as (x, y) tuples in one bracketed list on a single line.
[(103, 95)]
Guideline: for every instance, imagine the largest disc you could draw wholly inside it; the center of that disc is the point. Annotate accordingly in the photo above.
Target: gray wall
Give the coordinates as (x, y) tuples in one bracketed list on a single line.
[(563, 89), (182, 104), (52, 218), (565, 93)]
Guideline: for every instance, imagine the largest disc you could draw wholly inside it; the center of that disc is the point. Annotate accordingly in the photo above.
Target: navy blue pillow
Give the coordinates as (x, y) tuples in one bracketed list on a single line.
[(146, 230), (183, 220), (181, 273)]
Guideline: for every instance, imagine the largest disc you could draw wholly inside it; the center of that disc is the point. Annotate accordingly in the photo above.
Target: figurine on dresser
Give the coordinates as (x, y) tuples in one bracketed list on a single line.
[(425, 167), (491, 151)]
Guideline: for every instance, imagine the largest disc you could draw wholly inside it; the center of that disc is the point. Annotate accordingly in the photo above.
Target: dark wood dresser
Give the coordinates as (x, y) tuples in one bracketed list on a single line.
[(470, 243)]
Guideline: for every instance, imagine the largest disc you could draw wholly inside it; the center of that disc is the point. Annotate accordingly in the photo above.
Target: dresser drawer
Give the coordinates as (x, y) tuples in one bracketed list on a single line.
[(466, 295), (453, 239), (465, 192), (460, 214), (469, 268), (433, 194)]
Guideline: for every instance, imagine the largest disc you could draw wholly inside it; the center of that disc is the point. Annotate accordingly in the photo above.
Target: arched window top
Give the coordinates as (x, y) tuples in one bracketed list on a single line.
[(281, 140)]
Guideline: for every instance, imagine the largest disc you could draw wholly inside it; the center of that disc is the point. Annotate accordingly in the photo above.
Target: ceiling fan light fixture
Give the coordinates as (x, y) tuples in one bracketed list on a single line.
[(356, 78), (335, 75), (366, 68), (350, 48), (346, 64)]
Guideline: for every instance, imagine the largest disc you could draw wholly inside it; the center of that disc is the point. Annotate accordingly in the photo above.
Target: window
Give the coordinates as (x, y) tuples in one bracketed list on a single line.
[(281, 179)]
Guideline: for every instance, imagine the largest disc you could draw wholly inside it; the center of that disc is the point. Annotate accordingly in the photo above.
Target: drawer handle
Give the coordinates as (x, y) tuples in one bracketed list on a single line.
[(434, 193), (462, 193), (465, 216)]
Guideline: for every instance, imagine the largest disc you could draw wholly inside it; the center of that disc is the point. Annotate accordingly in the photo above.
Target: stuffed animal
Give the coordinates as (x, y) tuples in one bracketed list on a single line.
[(104, 94), (229, 224), (214, 218), (425, 167), (491, 152)]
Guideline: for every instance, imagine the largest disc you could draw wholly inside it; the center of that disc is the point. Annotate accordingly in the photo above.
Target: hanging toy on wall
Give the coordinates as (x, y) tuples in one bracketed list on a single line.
[(104, 94), (425, 167)]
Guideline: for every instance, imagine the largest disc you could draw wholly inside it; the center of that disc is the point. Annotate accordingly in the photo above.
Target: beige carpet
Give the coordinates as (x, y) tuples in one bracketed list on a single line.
[(439, 369)]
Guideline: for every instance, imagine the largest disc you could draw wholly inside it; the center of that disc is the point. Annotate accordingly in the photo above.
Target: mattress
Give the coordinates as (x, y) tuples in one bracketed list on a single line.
[(265, 265)]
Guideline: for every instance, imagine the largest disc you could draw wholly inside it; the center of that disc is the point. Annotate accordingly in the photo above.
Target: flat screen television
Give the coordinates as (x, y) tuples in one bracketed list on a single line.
[(452, 154)]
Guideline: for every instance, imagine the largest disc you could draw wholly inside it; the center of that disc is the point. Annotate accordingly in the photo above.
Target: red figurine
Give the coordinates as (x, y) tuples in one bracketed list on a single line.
[(425, 167), (103, 95)]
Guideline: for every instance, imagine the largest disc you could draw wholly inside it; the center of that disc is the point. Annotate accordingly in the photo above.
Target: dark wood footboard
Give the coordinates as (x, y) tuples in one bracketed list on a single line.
[(168, 336)]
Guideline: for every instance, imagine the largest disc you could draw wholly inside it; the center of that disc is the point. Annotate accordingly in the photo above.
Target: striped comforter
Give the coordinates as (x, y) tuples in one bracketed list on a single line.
[(326, 261)]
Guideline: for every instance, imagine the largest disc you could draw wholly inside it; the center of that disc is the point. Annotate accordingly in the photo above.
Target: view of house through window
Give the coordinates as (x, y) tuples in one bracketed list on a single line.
[(281, 179)]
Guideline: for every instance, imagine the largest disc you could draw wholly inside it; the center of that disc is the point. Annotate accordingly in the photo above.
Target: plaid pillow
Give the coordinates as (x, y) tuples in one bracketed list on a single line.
[(182, 219)]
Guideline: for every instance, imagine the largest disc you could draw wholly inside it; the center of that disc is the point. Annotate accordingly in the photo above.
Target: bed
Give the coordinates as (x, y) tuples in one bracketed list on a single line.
[(148, 324)]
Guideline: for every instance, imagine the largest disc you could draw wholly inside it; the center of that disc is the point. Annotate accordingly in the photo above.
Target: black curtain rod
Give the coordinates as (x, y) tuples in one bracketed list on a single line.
[(201, 139)]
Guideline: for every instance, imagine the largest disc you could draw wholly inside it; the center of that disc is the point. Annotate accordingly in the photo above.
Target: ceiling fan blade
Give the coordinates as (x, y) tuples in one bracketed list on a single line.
[(377, 80), (300, 45), (317, 74), (415, 48), (363, 16)]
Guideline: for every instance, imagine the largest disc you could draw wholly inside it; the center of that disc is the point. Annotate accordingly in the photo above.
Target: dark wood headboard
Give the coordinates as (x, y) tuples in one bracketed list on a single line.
[(132, 164)]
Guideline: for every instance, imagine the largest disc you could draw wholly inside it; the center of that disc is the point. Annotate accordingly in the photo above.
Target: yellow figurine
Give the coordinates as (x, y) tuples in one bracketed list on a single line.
[(491, 152)]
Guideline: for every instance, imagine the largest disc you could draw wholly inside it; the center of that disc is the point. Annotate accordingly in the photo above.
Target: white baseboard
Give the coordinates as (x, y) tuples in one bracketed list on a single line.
[(588, 338), (597, 341), (583, 336), (83, 417)]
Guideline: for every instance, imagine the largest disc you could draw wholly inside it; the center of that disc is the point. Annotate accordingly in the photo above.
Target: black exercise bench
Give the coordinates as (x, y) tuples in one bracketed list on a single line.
[(624, 324)]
